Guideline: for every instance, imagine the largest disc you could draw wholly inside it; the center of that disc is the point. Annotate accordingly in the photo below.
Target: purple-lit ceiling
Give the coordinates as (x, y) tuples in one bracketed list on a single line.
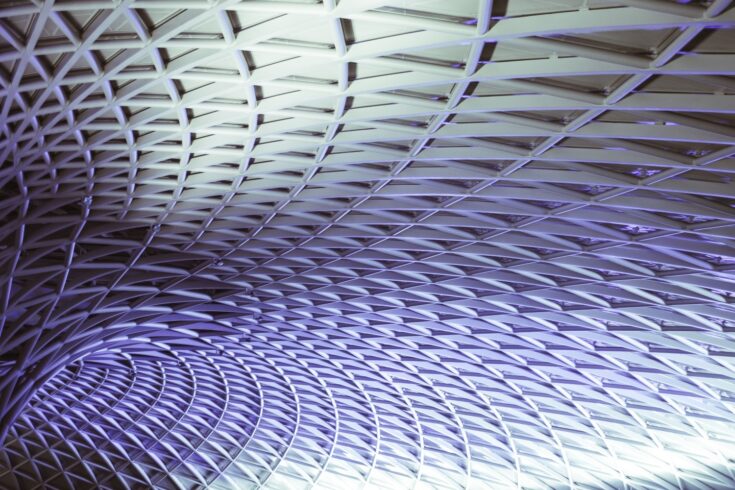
[(367, 244)]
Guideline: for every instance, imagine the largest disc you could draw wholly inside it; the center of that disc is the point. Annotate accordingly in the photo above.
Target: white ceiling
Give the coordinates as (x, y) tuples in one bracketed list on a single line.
[(367, 244)]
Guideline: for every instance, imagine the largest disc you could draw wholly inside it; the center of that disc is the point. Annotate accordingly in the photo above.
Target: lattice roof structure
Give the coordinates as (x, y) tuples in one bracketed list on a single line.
[(398, 244)]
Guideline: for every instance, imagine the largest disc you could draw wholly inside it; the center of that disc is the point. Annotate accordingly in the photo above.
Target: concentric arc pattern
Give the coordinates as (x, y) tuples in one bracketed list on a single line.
[(367, 244)]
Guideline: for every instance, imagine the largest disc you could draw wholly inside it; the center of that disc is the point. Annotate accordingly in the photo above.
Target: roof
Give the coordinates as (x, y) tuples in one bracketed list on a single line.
[(367, 244)]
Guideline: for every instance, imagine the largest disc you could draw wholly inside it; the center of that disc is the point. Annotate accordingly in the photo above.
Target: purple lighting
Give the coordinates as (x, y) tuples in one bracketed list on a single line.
[(358, 244)]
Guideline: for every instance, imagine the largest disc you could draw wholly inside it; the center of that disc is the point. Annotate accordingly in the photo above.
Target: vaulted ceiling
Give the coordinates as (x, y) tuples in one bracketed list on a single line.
[(367, 244)]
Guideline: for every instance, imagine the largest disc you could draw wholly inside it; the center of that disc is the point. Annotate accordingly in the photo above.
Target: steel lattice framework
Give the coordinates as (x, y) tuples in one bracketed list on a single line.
[(367, 244)]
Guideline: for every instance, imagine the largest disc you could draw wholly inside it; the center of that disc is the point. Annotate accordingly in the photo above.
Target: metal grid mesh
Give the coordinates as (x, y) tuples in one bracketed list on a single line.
[(367, 243)]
